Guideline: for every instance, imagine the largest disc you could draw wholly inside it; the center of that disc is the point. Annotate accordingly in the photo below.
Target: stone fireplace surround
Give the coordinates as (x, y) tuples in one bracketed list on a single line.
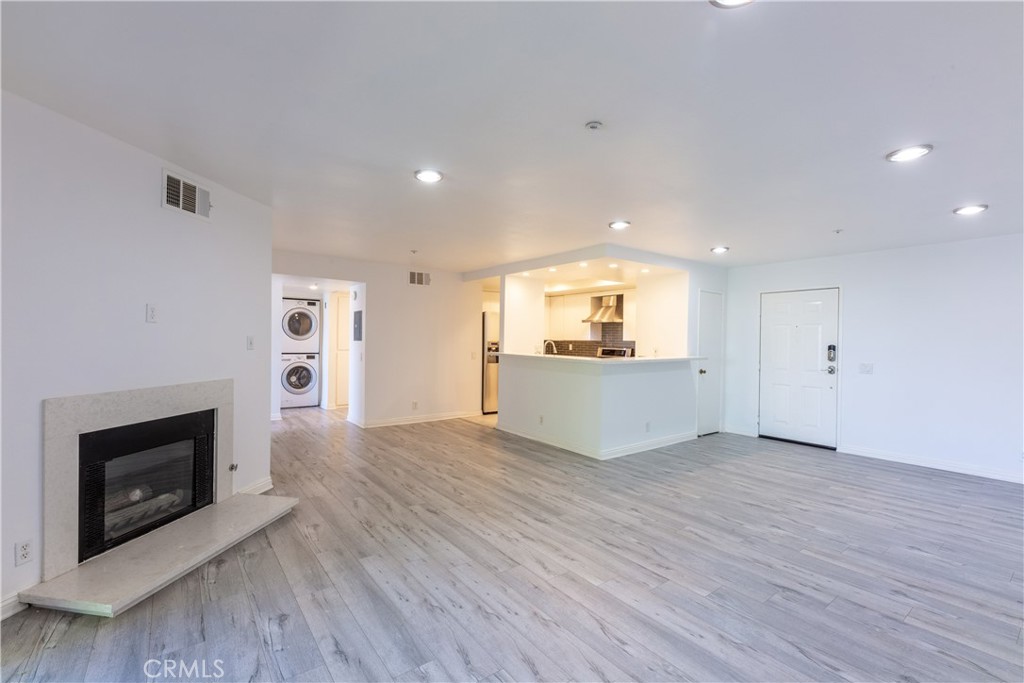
[(94, 586)]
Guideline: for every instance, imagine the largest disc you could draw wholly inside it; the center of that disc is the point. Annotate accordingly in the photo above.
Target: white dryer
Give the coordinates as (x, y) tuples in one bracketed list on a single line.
[(301, 325), (300, 373)]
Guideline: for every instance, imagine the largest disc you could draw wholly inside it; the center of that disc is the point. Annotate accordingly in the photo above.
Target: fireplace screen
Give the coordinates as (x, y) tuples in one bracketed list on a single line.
[(135, 478)]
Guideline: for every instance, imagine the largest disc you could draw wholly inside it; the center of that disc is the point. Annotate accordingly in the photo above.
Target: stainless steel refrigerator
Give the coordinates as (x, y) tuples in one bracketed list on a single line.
[(490, 362)]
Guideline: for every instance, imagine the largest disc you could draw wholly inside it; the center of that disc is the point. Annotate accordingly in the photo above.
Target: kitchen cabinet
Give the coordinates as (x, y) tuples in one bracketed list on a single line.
[(555, 306), (565, 314), (629, 315), (577, 307)]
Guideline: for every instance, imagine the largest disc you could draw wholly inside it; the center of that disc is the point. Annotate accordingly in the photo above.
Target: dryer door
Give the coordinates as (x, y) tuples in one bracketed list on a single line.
[(298, 378), (299, 323)]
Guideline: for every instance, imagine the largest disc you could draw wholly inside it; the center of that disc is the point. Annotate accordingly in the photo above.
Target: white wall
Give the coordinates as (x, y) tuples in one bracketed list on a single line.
[(663, 315), (419, 341), (492, 302), (523, 317), (86, 247), (942, 325), (276, 337), (357, 361)]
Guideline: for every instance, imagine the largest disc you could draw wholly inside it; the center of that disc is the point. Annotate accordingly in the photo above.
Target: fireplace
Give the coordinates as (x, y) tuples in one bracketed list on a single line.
[(135, 478), (66, 420), (125, 464)]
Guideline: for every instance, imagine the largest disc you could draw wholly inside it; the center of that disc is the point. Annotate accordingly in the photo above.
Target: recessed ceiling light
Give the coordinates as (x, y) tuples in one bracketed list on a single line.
[(428, 175), (908, 153), (593, 125), (613, 265), (645, 270), (583, 264), (970, 210), (526, 274), (552, 270), (619, 225), (719, 250), (730, 4), (313, 286)]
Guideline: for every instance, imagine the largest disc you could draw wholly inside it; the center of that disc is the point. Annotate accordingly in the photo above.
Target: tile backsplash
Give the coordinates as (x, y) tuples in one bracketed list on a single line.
[(589, 347)]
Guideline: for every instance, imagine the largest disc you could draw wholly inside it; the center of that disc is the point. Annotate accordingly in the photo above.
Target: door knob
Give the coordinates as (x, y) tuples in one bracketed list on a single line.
[(703, 371), (831, 369)]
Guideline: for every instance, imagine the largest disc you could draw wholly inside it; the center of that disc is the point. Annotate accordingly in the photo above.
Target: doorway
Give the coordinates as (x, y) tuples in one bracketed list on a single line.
[(799, 371), (711, 346)]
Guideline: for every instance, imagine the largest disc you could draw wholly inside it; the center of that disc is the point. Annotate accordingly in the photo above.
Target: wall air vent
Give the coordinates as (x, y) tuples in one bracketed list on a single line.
[(185, 195), (419, 278)]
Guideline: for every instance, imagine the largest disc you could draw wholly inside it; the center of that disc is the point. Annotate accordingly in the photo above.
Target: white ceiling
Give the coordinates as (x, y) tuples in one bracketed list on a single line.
[(762, 128)]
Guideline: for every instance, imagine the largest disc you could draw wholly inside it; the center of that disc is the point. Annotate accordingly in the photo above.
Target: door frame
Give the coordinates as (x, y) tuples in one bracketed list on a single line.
[(842, 346), (721, 360)]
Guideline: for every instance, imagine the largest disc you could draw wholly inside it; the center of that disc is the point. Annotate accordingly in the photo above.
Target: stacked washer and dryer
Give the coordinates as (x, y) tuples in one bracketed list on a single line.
[(300, 353)]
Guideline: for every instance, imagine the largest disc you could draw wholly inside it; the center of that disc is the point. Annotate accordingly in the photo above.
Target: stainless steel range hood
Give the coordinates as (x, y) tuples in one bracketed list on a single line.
[(606, 313)]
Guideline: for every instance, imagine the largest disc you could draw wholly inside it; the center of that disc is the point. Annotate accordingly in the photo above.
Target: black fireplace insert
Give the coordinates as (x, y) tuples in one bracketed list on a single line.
[(135, 478)]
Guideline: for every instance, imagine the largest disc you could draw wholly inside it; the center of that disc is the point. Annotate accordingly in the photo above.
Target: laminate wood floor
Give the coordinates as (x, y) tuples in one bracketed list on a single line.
[(451, 551)]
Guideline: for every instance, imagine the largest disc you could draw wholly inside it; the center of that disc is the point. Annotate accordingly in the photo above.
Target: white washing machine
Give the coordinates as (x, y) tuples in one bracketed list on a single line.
[(301, 324), (300, 374)]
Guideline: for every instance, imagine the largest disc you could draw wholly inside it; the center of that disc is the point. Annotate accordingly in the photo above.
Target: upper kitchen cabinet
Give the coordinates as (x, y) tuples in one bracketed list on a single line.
[(629, 315), (565, 314), (577, 307), (555, 306)]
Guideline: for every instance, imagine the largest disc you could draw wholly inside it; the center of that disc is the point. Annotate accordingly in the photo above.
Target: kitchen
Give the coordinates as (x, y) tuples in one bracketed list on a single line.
[(598, 354)]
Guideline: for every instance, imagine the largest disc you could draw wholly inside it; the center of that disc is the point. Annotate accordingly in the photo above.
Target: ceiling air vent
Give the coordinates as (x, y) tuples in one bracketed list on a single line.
[(419, 278), (180, 193)]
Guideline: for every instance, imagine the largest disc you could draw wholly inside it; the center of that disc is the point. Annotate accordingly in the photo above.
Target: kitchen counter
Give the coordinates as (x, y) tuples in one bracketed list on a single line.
[(612, 359), (599, 407)]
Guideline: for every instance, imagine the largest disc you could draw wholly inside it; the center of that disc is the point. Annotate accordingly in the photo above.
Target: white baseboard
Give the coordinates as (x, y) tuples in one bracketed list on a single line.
[(649, 445), (11, 606), (945, 465), (257, 487), (607, 453), (415, 419), (557, 443), (274, 417), (729, 429)]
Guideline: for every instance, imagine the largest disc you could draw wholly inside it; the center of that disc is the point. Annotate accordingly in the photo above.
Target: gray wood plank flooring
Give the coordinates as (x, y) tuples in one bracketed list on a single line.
[(450, 551)]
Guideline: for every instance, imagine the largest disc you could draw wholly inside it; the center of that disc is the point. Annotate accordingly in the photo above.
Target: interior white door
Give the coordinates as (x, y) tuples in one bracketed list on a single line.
[(711, 345), (799, 366)]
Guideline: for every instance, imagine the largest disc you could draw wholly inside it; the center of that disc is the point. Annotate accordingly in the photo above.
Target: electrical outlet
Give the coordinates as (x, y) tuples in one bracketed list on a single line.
[(150, 313), (540, 419), (570, 347), (647, 426), (415, 405), (22, 552)]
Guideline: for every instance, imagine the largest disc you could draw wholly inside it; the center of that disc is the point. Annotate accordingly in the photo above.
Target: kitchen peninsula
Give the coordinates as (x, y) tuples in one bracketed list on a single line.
[(599, 407)]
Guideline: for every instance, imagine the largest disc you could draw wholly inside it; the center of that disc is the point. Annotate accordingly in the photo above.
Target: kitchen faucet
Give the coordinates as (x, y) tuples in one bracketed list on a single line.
[(554, 349)]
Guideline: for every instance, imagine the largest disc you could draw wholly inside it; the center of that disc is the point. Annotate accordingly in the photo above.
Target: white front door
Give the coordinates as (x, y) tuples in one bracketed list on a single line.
[(710, 345), (800, 365)]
